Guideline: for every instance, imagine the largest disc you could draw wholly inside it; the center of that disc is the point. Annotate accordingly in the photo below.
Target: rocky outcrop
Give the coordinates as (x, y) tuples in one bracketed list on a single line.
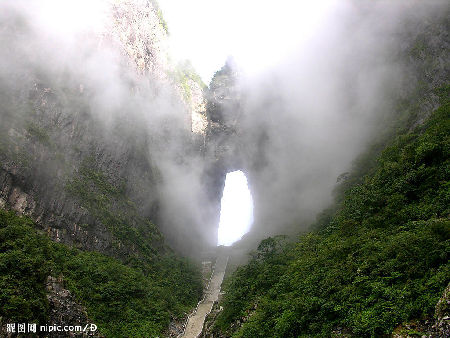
[(142, 32), (222, 134), (441, 326), (442, 314), (437, 327), (64, 310)]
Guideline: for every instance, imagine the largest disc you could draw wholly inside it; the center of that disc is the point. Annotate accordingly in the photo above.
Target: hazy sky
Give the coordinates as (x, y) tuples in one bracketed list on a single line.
[(257, 33)]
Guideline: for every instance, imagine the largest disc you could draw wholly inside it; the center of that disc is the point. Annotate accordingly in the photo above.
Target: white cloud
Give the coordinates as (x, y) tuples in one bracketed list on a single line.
[(257, 33)]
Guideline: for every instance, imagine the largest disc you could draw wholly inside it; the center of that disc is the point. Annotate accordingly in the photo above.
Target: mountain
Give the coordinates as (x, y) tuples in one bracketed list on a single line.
[(113, 162), (85, 118), (375, 261)]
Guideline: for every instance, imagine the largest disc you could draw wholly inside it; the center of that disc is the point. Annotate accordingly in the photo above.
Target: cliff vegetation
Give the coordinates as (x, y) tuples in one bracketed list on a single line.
[(379, 258), (123, 300)]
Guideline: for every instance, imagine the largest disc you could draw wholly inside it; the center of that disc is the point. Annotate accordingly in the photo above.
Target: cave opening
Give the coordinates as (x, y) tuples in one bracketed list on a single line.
[(236, 211)]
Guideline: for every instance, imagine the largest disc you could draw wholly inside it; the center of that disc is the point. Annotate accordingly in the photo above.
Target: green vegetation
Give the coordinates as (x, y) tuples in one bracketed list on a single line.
[(123, 301), (183, 73), (109, 204), (377, 259), (134, 294), (38, 133), (162, 21)]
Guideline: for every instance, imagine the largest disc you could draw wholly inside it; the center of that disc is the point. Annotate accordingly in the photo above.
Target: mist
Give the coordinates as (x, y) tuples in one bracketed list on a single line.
[(302, 119), (305, 119), (124, 108)]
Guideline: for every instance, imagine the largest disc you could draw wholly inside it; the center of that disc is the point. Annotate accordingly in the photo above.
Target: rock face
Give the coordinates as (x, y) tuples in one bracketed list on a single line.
[(64, 309), (222, 134), (38, 166), (442, 325), (142, 32), (78, 154), (439, 326)]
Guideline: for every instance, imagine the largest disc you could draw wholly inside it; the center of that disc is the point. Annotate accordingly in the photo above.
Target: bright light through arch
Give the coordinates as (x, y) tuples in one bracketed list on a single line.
[(236, 213)]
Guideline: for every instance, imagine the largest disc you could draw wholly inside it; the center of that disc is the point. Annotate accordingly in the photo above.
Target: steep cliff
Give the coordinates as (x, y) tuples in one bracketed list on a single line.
[(85, 118), (64, 134)]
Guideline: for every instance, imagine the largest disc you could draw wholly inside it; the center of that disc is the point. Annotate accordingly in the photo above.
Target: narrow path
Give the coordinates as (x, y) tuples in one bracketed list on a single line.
[(195, 323)]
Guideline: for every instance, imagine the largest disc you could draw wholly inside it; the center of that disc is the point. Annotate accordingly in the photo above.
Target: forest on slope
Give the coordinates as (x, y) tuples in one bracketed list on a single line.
[(377, 259), (136, 299)]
